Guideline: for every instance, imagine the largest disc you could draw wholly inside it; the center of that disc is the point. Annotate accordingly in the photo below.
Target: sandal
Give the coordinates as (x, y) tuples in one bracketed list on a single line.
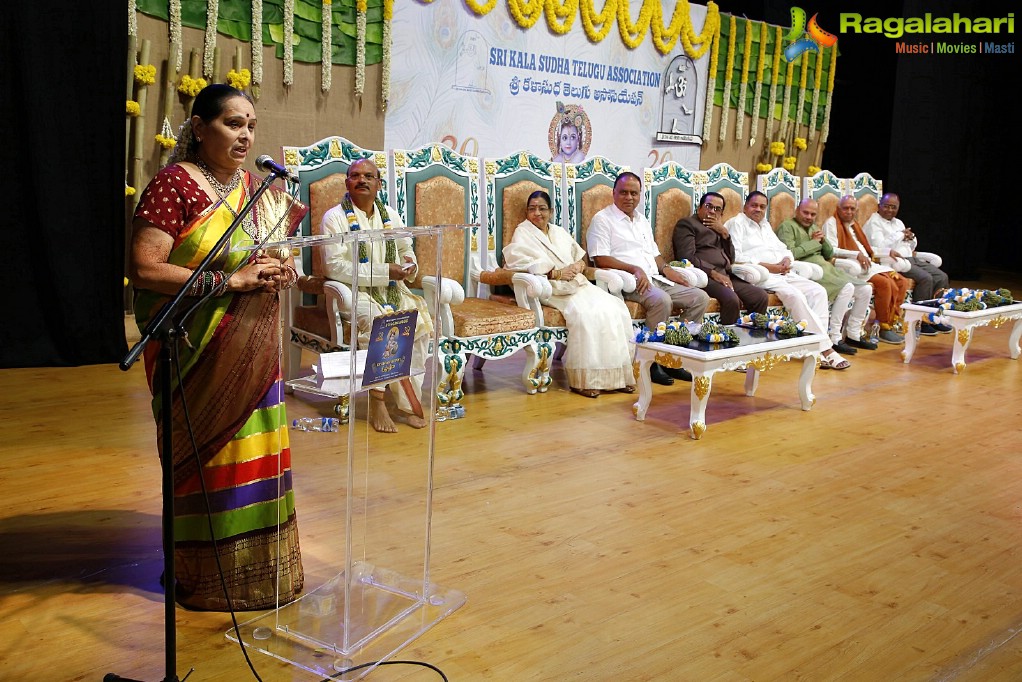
[(625, 389), (586, 392), (833, 361)]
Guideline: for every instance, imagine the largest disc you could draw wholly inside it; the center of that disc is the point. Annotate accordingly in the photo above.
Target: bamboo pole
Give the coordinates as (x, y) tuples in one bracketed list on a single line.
[(194, 67), (139, 136), (129, 94), (215, 77), (169, 87)]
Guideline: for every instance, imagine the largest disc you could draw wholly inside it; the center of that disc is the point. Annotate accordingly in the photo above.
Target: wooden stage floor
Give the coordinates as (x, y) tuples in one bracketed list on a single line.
[(877, 537)]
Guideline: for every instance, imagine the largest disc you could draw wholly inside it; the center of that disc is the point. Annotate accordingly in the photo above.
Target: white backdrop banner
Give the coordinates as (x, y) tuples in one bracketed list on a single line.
[(487, 88)]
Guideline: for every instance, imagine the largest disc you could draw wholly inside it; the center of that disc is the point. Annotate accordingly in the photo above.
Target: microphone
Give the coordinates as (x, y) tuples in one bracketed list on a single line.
[(266, 164)]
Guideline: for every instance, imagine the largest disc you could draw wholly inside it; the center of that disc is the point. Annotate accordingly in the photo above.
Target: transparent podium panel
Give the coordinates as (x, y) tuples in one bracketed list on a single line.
[(368, 590)]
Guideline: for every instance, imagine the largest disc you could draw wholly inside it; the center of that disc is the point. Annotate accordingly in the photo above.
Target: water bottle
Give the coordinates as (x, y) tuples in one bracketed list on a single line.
[(874, 332), (327, 424)]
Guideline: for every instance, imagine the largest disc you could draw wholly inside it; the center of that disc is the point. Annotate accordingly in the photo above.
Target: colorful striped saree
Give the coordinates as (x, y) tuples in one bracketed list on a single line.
[(235, 403)]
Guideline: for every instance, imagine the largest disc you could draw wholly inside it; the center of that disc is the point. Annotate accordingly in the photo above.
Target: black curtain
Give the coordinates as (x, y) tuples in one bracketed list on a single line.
[(62, 79)]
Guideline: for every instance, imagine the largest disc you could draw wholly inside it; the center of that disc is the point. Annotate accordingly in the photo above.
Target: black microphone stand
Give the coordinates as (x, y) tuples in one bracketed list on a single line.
[(164, 327)]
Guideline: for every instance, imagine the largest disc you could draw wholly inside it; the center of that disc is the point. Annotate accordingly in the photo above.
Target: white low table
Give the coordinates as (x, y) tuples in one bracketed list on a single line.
[(757, 352), (964, 325)]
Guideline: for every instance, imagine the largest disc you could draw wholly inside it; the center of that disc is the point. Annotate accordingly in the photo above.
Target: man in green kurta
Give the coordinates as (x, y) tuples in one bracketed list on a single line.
[(806, 241)]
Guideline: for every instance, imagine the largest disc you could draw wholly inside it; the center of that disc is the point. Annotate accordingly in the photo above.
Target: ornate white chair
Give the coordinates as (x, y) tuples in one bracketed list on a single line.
[(315, 312), (437, 186)]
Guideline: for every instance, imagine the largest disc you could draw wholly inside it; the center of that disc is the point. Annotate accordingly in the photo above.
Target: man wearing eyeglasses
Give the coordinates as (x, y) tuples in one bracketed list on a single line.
[(705, 241)]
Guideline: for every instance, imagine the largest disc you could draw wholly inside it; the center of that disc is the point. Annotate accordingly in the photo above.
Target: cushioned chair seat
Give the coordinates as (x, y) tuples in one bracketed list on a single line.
[(482, 317), (552, 317)]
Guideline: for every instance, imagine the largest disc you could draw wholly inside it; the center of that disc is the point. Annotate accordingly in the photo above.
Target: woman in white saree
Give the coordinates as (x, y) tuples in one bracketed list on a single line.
[(598, 356)]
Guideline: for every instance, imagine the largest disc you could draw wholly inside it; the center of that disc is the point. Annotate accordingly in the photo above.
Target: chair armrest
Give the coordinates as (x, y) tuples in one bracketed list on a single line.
[(849, 266), (896, 264), (931, 258), (753, 273), (451, 293), (339, 303), (609, 280), (808, 270), (693, 276), (529, 289)]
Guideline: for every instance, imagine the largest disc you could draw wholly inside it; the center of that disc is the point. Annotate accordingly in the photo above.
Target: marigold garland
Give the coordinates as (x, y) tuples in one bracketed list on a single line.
[(777, 148), (239, 79), (689, 38), (132, 108), (799, 143), (560, 16), (326, 47), (813, 170), (481, 10), (128, 190), (775, 76), (597, 25), (744, 81), (166, 142), (145, 74), (729, 65), (711, 80), (757, 92), (789, 163), (526, 12), (763, 167), (189, 86), (209, 42), (632, 34)]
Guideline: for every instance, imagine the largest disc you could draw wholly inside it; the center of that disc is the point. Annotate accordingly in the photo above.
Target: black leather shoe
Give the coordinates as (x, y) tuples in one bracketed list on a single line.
[(927, 329), (943, 328), (681, 373), (859, 343), (658, 376), (844, 348)]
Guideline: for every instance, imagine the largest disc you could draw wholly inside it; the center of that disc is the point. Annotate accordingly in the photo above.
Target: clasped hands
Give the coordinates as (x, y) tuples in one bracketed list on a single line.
[(782, 268), (566, 273), (401, 271), (264, 273)]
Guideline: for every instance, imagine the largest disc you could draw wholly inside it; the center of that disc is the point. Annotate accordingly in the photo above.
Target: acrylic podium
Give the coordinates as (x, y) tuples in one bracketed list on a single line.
[(373, 594)]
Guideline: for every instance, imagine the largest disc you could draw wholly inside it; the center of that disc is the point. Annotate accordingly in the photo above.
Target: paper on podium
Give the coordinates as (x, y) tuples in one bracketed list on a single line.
[(334, 370)]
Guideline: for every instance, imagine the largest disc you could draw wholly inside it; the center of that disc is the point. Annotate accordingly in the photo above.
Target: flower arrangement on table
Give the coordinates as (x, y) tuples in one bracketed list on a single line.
[(674, 333), (969, 300), (782, 325), (711, 332)]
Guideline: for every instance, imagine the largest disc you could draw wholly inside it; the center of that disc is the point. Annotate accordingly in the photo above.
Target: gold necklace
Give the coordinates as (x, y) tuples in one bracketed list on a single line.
[(223, 191)]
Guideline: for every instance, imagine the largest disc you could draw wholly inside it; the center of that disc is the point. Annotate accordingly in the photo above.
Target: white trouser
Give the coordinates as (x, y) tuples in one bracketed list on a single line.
[(858, 296), (803, 298)]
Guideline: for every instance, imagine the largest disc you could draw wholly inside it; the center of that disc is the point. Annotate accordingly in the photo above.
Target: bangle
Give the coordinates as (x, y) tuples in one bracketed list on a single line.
[(290, 276), (211, 282)]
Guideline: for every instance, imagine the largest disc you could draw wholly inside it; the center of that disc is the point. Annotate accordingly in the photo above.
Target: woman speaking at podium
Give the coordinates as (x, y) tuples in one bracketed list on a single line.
[(230, 380)]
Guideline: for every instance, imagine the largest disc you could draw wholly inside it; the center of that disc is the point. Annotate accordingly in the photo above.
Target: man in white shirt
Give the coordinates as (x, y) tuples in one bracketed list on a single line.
[(889, 288), (889, 236), (621, 238), (755, 242)]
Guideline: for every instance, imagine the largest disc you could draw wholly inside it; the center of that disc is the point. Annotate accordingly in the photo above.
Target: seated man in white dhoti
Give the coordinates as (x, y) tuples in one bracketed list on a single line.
[(755, 242), (383, 269)]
